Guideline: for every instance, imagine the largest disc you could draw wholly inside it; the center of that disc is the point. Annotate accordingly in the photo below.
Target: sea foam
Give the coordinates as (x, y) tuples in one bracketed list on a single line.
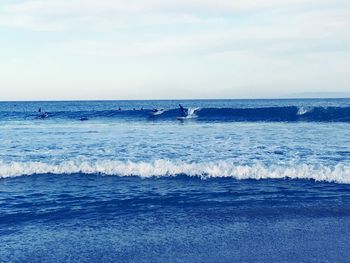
[(164, 168)]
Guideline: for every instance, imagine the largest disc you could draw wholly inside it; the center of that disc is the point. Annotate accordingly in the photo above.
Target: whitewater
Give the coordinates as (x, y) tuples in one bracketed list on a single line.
[(130, 181), (166, 168)]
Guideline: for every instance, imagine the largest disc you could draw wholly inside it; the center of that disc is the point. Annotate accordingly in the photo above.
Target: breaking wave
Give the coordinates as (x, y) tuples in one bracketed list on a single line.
[(268, 114), (164, 168)]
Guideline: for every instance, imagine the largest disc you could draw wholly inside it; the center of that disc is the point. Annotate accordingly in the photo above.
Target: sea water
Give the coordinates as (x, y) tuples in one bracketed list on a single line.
[(128, 181)]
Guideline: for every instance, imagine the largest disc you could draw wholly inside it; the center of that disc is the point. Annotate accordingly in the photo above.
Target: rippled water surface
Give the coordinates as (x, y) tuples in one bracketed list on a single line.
[(260, 180)]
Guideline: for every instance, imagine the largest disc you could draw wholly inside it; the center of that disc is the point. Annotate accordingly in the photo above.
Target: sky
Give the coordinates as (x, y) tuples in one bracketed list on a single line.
[(164, 49)]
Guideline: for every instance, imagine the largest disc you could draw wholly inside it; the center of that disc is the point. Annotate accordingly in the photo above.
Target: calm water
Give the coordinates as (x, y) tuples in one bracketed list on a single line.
[(233, 180)]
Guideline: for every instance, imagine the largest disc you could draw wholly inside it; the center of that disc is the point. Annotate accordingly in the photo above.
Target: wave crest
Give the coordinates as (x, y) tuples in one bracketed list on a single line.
[(268, 114), (164, 168)]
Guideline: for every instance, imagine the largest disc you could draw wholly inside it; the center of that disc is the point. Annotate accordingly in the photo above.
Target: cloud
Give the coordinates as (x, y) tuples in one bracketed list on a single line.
[(162, 27), (67, 14), (92, 7), (315, 30), (213, 47)]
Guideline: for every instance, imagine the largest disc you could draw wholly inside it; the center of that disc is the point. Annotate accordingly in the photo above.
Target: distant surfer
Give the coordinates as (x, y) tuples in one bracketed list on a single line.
[(119, 108), (183, 113), (42, 115)]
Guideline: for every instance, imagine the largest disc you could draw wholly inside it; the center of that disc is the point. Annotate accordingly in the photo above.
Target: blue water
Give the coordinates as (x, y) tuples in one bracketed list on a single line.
[(233, 181)]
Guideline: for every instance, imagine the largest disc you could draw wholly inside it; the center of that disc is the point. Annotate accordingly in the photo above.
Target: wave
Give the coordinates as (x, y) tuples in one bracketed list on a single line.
[(165, 168), (267, 114), (303, 110)]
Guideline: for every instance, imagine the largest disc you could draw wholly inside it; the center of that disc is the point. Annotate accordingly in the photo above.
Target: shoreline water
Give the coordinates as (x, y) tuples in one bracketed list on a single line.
[(139, 188), (92, 218)]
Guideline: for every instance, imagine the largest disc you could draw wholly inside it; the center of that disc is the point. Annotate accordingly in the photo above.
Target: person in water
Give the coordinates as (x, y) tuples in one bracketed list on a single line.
[(183, 113), (42, 115)]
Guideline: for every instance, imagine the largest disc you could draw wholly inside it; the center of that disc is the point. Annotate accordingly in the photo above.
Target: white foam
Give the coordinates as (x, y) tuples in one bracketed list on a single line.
[(158, 112), (303, 111), (221, 169), (191, 113)]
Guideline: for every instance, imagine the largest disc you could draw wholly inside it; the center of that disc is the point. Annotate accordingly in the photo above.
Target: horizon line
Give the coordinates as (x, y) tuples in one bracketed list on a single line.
[(176, 99)]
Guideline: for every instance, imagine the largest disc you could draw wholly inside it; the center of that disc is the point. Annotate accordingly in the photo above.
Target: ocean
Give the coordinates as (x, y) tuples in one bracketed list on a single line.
[(142, 181)]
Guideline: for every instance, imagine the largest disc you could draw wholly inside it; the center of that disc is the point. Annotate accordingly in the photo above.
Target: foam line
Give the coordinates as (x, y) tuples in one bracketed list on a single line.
[(221, 169)]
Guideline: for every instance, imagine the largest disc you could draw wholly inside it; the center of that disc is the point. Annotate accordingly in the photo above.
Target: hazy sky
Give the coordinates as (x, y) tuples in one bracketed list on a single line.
[(149, 49)]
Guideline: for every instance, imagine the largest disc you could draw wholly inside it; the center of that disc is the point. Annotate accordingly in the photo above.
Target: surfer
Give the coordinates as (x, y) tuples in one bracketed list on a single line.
[(41, 114), (183, 113)]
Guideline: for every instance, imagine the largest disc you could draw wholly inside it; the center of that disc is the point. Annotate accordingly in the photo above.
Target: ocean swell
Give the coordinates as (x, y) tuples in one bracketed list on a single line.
[(165, 168), (267, 114)]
